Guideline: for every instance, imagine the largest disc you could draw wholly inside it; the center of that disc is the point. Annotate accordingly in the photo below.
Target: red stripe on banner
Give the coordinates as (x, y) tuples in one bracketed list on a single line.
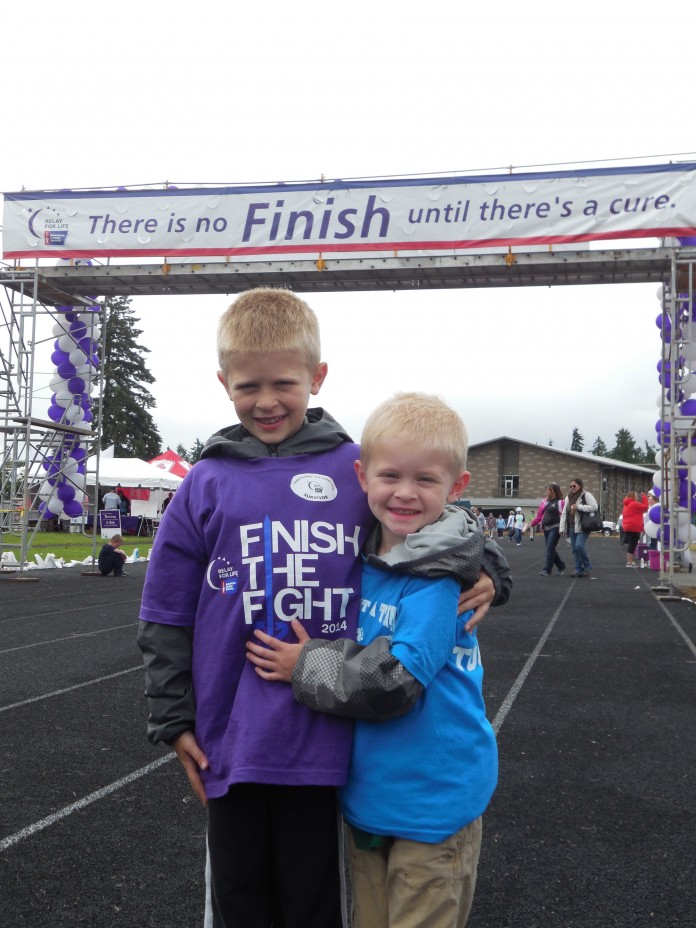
[(410, 245)]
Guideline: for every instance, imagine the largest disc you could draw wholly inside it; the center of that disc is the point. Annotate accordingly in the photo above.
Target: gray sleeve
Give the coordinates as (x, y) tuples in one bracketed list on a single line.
[(496, 566), (344, 678), (167, 656)]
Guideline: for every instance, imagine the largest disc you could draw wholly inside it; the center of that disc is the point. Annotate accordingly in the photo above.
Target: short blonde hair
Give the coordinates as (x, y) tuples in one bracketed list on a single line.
[(268, 319), (419, 418)]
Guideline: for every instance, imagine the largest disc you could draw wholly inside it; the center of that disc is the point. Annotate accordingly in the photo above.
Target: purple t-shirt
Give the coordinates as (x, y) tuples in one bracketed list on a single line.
[(251, 544)]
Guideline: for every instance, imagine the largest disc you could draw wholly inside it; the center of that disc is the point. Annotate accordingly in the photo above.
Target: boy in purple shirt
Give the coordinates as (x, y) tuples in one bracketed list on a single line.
[(266, 528)]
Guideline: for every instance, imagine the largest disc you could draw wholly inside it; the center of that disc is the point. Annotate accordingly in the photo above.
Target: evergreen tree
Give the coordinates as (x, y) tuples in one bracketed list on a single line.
[(183, 453), (625, 448), (195, 452), (599, 448), (578, 441), (648, 454), (126, 421)]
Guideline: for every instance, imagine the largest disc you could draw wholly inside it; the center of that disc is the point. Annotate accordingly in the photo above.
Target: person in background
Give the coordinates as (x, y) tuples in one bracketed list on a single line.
[(123, 503), (511, 526), (110, 500), (632, 512), (519, 525), (111, 559), (500, 525), (577, 501), (490, 523), (166, 502), (549, 517)]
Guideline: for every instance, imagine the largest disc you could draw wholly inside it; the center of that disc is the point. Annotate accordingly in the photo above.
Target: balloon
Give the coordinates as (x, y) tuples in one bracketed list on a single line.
[(78, 357), (55, 412), (65, 492), (74, 414), (64, 398), (651, 529), (654, 514), (688, 408), (59, 357), (657, 479), (55, 505), (657, 492), (77, 385), (66, 369), (73, 509)]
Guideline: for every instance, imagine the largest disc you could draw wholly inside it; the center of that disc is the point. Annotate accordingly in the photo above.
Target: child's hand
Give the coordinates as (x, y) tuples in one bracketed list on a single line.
[(192, 760), (276, 660), (478, 598)]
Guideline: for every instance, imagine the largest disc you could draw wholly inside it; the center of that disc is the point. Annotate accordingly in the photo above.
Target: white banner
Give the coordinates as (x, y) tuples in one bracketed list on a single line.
[(415, 214)]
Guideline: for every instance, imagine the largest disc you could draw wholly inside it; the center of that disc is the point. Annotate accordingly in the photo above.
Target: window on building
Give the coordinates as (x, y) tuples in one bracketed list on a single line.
[(510, 485)]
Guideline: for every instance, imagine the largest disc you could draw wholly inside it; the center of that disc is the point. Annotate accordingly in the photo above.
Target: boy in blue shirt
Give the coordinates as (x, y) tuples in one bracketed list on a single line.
[(419, 782)]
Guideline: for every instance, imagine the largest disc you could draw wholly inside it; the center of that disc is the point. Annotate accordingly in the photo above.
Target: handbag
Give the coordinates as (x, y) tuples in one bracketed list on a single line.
[(590, 521)]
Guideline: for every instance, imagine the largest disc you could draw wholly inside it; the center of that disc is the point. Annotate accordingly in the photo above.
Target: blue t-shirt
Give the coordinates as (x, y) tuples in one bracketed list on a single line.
[(426, 775)]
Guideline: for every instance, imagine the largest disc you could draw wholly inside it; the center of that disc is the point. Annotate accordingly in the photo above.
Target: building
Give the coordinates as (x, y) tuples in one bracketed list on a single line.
[(507, 473)]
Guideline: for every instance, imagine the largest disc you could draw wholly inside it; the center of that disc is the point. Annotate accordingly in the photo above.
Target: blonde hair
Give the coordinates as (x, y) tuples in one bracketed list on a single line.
[(419, 418), (268, 319)]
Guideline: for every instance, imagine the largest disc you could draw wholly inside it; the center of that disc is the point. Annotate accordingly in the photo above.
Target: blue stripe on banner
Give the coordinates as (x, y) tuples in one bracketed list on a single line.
[(338, 184)]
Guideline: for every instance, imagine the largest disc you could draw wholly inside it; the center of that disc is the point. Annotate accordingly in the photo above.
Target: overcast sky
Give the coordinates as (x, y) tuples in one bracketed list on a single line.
[(229, 93)]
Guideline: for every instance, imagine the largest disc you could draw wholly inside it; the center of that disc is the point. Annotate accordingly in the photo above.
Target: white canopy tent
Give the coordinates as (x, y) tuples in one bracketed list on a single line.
[(132, 472)]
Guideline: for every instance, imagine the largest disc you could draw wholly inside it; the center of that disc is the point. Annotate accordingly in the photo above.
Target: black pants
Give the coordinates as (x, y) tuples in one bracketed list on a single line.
[(274, 857)]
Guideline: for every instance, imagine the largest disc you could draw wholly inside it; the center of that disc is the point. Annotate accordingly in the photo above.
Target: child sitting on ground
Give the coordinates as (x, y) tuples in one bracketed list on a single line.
[(111, 559)]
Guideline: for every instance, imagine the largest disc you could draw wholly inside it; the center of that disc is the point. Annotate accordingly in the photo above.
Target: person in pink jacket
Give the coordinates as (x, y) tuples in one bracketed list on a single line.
[(549, 515), (632, 522)]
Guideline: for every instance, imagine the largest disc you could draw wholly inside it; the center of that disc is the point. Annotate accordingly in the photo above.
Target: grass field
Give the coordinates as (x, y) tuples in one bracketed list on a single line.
[(70, 547)]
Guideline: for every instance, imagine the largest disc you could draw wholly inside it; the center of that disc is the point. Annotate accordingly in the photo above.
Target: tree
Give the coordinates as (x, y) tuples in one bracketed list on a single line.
[(648, 454), (625, 448), (578, 441), (183, 453), (126, 422), (195, 452), (599, 448)]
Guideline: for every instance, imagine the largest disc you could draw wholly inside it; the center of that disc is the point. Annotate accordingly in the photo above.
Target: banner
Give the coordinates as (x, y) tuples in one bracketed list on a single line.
[(414, 214)]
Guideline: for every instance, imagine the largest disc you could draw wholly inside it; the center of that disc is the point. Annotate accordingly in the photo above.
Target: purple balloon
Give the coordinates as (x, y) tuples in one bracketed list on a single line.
[(79, 454), (55, 413), (73, 509), (654, 514), (88, 417), (66, 370), (59, 357), (76, 385), (65, 492), (656, 492), (78, 330)]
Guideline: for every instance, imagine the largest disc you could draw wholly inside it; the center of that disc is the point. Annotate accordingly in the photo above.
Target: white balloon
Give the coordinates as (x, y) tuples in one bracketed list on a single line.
[(78, 481), (55, 505), (77, 356), (657, 479), (651, 529), (73, 415), (64, 398), (58, 383), (658, 457)]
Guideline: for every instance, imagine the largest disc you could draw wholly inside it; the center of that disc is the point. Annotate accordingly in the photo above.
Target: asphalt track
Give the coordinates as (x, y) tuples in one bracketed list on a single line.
[(591, 685)]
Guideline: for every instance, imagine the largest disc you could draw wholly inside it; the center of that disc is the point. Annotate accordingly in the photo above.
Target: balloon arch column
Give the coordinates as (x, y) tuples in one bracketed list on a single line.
[(671, 521), (46, 442)]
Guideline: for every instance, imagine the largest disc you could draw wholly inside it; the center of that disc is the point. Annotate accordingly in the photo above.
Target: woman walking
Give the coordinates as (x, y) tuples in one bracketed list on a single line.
[(632, 522), (577, 501), (549, 515)]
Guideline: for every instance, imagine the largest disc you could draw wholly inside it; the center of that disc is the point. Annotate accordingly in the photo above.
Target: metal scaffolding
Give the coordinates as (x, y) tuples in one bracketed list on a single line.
[(26, 294)]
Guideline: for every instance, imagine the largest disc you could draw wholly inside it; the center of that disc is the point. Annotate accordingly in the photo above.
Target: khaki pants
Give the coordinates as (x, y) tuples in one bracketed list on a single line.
[(407, 884)]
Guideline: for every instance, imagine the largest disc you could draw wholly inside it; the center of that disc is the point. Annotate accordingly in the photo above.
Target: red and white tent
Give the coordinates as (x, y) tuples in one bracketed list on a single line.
[(171, 462)]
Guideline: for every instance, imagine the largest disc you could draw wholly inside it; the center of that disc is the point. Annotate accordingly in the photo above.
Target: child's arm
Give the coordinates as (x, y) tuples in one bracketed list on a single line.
[(338, 677), (495, 565)]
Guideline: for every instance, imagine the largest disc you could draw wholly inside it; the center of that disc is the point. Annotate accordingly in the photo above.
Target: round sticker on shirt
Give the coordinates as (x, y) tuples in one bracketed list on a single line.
[(315, 487)]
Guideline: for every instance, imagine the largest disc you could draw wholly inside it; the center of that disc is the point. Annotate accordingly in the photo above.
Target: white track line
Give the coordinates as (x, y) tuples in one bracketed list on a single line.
[(41, 615), (524, 673), (73, 637), (69, 689), (689, 643), (33, 829)]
